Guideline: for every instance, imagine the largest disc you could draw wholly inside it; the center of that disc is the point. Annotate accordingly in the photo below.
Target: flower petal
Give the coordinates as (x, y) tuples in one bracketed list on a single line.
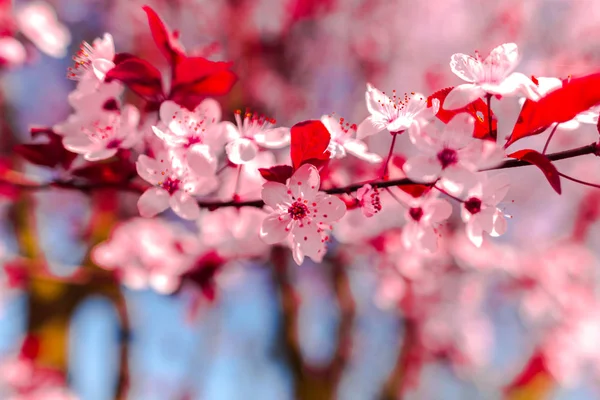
[(359, 149), (275, 194), (308, 238), (462, 95), (474, 232), (275, 138), (305, 182), (328, 208), (149, 169), (456, 179), (367, 128), (495, 189), (77, 144), (210, 109), (437, 210), (275, 228), (101, 67), (465, 67), (101, 154), (153, 201), (184, 205), (500, 224), (201, 161), (241, 151), (422, 168)]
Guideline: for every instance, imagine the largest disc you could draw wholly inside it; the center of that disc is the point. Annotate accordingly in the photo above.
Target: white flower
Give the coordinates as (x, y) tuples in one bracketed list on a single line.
[(422, 218), (96, 59), (253, 131), (342, 141), (395, 114), (480, 211), (300, 209), (493, 75)]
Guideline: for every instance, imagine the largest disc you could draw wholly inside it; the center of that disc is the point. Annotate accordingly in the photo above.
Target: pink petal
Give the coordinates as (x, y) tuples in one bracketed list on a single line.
[(273, 138), (500, 224), (485, 218), (274, 228), (428, 239), (375, 98), (474, 232), (465, 67), (458, 132), (101, 67), (101, 154), (329, 208), (241, 151), (495, 189), (456, 179), (506, 55), (275, 194), (201, 161), (153, 201), (437, 210), (149, 169), (184, 205), (305, 182), (359, 149), (77, 144), (517, 83), (209, 109), (367, 128), (163, 283), (308, 239), (422, 168), (462, 95)]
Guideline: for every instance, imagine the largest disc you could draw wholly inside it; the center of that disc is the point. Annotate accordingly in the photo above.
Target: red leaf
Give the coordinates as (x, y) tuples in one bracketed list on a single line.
[(543, 163), (117, 171), (140, 77), (415, 190), (50, 154), (477, 109), (561, 105), (120, 57), (278, 173), (534, 367), (165, 40), (309, 141)]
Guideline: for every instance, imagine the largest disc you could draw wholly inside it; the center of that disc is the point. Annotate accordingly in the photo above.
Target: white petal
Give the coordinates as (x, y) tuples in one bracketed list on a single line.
[(456, 179), (101, 67), (505, 55), (241, 151), (495, 189), (422, 168), (201, 161), (359, 149), (367, 128), (309, 240), (465, 67), (428, 239), (437, 210), (169, 112), (184, 205), (375, 98), (305, 182), (153, 201), (515, 84), (163, 283), (149, 169), (210, 109), (275, 228), (500, 224), (297, 253), (485, 218), (329, 208), (458, 132), (462, 95), (77, 144), (101, 154), (474, 232), (275, 138), (275, 194)]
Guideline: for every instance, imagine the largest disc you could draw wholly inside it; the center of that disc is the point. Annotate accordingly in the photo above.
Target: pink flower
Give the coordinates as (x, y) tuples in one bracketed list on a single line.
[(342, 141), (175, 185), (490, 76), (480, 211), (233, 240), (253, 131), (422, 218), (300, 209), (12, 52), (368, 200), (148, 253), (453, 156), (93, 60), (395, 114), (102, 140), (37, 21), (195, 135)]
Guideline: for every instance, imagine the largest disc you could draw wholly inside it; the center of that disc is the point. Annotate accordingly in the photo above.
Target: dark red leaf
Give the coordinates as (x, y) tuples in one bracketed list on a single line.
[(165, 40), (120, 57), (50, 154), (477, 109), (30, 347), (534, 367), (140, 77), (561, 105), (309, 141), (278, 173), (416, 190), (119, 170), (543, 163)]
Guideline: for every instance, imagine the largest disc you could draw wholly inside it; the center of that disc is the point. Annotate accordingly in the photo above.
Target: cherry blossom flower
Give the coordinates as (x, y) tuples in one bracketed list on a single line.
[(480, 211), (368, 200), (342, 140), (422, 218), (12, 52), (175, 185), (395, 114), (300, 209), (105, 137), (233, 240), (37, 21), (148, 253), (196, 136), (96, 59), (453, 156), (253, 131), (493, 75)]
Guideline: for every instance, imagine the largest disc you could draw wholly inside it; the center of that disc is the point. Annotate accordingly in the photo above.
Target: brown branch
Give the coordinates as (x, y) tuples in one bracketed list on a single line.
[(130, 187), (396, 382)]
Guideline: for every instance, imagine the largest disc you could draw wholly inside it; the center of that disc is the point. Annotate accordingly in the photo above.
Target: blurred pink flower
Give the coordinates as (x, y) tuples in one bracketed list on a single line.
[(368, 200), (12, 52), (95, 59), (37, 21), (422, 218), (300, 209), (492, 75)]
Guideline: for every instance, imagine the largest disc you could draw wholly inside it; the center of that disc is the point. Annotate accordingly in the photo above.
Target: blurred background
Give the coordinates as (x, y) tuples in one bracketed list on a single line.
[(517, 319)]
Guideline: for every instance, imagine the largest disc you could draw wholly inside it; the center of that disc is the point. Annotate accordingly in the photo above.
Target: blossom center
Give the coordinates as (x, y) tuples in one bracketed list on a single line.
[(473, 205), (298, 210), (447, 157), (416, 213), (113, 144), (170, 185)]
